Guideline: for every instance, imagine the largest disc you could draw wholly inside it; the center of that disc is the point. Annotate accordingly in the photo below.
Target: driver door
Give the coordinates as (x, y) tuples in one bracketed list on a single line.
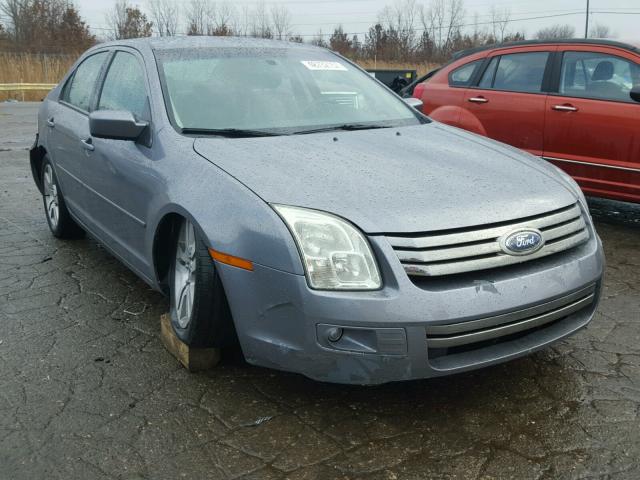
[(122, 179)]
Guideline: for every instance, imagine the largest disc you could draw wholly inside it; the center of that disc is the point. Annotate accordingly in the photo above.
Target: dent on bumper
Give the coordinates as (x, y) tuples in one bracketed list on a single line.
[(278, 319)]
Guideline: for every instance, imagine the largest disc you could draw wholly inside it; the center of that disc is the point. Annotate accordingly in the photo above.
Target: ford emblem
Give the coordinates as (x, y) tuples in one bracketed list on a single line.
[(522, 242)]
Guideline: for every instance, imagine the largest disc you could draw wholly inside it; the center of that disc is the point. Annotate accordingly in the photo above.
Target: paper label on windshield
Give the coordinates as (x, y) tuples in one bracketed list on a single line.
[(322, 65)]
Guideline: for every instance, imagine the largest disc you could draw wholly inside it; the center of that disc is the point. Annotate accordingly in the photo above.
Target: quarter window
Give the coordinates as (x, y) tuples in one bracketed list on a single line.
[(124, 87), (598, 76), (461, 76), (518, 72), (83, 82)]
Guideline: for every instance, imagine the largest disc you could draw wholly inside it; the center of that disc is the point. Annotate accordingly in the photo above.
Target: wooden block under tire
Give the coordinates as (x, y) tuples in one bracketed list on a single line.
[(193, 359)]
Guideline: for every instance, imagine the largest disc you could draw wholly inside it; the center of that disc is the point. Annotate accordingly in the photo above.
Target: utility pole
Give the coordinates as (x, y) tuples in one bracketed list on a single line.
[(586, 23)]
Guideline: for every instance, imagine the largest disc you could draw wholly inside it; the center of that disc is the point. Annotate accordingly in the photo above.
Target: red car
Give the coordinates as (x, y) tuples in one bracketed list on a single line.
[(573, 102)]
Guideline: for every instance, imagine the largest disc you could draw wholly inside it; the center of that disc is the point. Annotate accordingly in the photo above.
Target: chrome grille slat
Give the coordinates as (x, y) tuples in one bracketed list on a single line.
[(552, 313), (500, 260), (448, 253), (427, 241), (559, 232), (459, 252)]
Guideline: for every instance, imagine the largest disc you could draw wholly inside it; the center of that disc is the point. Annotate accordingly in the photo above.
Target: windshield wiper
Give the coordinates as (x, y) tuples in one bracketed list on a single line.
[(346, 126), (228, 132)]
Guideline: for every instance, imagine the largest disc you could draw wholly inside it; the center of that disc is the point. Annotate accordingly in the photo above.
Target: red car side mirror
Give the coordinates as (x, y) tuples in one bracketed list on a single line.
[(635, 94)]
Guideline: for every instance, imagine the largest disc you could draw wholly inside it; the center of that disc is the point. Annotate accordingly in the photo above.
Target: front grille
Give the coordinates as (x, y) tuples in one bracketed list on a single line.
[(448, 252), (464, 336)]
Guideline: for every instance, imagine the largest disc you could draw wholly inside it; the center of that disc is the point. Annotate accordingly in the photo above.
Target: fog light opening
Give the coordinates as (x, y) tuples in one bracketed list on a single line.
[(334, 334)]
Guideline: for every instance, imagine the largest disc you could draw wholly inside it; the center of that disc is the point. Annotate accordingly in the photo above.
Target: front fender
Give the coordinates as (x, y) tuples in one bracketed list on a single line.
[(230, 217)]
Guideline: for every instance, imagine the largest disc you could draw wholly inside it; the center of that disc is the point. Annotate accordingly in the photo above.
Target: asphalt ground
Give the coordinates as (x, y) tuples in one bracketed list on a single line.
[(87, 390)]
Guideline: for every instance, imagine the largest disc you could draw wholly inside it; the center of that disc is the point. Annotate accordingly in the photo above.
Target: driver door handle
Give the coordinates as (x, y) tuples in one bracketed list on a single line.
[(478, 100), (50, 122), (565, 108), (87, 144)]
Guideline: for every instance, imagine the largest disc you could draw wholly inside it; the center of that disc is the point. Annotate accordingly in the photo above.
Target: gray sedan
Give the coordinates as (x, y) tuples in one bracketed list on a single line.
[(285, 200)]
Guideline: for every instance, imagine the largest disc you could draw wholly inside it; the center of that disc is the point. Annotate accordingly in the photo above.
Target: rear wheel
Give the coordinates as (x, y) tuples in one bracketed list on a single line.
[(199, 310), (58, 217)]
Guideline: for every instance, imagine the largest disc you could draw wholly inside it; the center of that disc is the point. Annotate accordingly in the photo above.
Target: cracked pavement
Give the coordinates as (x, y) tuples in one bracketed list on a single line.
[(88, 391)]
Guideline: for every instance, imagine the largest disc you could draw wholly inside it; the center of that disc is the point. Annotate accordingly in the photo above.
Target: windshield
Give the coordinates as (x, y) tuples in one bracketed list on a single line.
[(286, 90)]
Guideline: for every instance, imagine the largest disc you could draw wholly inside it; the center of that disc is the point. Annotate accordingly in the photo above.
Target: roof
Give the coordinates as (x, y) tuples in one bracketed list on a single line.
[(580, 41), (197, 41)]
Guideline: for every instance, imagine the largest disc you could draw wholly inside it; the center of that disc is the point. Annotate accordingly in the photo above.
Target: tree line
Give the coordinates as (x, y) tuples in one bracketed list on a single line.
[(405, 31)]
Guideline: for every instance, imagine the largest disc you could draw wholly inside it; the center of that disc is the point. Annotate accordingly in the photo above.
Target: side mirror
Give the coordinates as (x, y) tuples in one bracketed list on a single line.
[(414, 102), (635, 94), (116, 125)]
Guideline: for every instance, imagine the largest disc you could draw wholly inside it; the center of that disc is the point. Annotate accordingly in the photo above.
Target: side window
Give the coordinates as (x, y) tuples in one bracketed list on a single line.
[(83, 83), (517, 72), (598, 75), (124, 87), (461, 76), (489, 74)]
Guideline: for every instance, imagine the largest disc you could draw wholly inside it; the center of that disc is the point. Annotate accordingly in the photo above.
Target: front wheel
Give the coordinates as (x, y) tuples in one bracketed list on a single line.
[(199, 311)]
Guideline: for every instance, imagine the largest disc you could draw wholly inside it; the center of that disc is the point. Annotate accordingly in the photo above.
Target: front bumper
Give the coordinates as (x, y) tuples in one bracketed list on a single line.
[(283, 324)]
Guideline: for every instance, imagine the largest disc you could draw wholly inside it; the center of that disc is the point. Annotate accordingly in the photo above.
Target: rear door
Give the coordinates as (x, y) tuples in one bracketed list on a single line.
[(442, 94), (592, 124), (508, 100), (68, 123)]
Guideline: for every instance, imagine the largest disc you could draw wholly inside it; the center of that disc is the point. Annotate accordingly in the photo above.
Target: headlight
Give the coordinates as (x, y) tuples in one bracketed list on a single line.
[(336, 256)]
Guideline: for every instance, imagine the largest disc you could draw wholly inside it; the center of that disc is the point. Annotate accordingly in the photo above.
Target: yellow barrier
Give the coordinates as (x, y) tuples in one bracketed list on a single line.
[(11, 87)]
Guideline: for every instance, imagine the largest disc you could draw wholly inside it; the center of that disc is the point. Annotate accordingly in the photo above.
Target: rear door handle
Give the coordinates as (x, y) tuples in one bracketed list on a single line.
[(50, 122), (478, 100), (88, 144), (565, 108)]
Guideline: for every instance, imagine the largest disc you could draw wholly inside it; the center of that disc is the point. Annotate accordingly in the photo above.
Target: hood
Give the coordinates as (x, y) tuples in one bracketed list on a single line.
[(400, 180)]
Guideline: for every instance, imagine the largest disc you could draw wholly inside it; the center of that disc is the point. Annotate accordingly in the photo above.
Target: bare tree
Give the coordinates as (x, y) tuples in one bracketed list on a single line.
[(116, 18), (432, 20), (455, 13), (45, 25), (196, 14), (221, 19), (400, 21), (261, 22), (442, 22), (281, 20), (555, 32), (600, 30), (244, 23), (500, 19), (126, 21), (13, 10), (166, 16), (318, 40), (340, 42)]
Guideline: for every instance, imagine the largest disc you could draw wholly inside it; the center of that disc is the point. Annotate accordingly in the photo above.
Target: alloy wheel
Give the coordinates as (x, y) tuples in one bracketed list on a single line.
[(51, 197), (184, 278)]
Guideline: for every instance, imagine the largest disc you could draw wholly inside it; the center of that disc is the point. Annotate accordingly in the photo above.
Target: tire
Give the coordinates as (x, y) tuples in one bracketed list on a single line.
[(55, 209), (199, 310)]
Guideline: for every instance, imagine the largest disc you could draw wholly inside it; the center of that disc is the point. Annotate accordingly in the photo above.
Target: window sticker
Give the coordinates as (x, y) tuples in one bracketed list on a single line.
[(323, 65)]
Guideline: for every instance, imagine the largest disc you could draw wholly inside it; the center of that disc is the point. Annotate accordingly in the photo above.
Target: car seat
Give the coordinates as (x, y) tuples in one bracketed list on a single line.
[(601, 85)]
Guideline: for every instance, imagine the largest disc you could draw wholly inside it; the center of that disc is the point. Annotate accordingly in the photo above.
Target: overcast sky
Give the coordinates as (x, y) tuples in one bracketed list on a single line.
[(309, 16)]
